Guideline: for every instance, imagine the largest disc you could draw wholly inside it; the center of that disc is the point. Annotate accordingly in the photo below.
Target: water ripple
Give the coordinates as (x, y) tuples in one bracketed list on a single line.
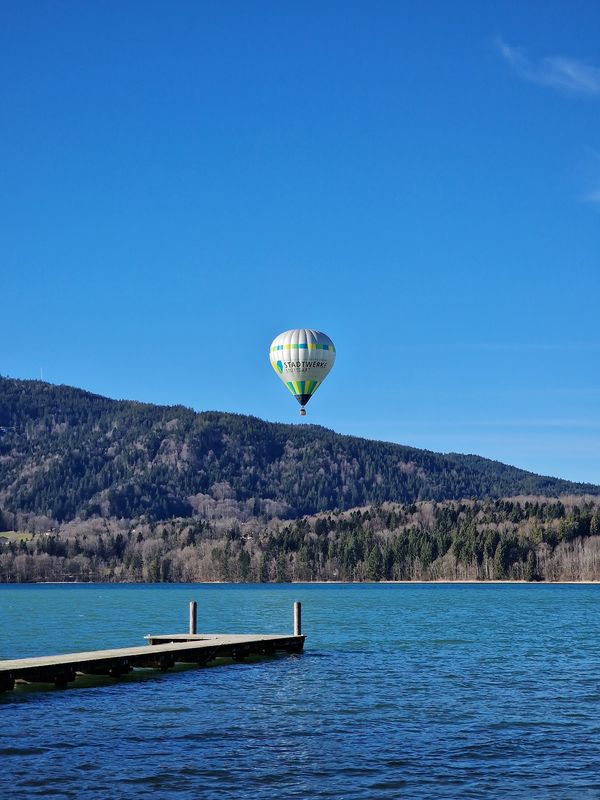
[(404, 691)]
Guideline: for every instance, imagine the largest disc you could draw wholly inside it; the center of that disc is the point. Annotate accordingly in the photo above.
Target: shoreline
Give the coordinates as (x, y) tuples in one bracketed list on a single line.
[(308, 583)]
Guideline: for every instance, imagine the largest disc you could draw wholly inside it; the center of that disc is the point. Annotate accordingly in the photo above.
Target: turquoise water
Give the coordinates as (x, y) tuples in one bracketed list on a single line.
[(404, 691)]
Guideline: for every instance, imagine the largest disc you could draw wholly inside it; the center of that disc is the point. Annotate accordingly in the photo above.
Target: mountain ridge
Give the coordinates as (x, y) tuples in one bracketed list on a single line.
[(67, 453)]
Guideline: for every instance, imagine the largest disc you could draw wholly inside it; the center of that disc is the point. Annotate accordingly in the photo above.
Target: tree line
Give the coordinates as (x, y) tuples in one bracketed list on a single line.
[(508, 539)]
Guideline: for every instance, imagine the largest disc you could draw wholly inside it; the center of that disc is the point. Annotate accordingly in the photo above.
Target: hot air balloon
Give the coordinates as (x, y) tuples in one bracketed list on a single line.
[(302, 358)]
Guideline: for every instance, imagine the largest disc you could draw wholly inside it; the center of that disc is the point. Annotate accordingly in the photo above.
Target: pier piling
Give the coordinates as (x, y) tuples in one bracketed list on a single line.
[(297, 619), (193, 617)]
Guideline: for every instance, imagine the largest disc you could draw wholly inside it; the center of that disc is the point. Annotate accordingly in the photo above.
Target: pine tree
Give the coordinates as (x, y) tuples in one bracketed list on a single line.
[(375, 564)]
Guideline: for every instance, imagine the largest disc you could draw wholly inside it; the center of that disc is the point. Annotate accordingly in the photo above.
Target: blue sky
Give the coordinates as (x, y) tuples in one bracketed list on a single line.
[(183, 181)]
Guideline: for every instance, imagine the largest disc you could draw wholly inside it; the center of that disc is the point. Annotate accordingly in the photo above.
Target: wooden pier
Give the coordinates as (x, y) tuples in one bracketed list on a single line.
[(161, 652)]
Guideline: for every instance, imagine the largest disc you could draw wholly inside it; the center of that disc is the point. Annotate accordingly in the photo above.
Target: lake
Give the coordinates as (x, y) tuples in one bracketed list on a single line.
[(403, 691)]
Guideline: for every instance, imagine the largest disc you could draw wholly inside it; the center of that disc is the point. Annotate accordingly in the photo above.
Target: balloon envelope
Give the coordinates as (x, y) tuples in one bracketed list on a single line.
[(302, 358)]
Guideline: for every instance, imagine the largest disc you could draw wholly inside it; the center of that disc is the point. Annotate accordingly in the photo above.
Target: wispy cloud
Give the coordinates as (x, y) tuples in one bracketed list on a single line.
[(508, 347), (558, 72), (509, 423), (593, 197)]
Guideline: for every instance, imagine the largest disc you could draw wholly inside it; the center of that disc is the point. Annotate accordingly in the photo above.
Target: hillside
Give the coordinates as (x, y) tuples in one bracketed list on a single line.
[(516, 539), (67, 454)]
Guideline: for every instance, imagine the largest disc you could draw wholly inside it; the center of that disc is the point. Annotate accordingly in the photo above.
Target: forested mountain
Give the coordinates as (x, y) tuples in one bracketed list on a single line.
[(66, 454)]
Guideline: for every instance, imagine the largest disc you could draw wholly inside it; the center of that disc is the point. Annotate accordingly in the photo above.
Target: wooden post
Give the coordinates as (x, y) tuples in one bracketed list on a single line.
[(193, 616), (297, 619)]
